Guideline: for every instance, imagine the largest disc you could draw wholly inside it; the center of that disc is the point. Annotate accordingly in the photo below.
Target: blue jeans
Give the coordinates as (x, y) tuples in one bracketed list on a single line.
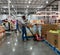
[(24, 33)]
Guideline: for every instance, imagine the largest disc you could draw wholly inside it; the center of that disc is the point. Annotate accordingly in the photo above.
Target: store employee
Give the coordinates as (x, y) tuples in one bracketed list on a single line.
[(24, 23)]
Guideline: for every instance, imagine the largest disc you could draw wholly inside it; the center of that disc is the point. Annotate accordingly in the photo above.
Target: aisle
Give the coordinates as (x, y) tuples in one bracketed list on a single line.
[(14, 46)]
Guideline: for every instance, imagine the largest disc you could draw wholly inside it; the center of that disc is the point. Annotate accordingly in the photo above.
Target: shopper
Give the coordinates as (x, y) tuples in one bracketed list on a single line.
[(24, 33)]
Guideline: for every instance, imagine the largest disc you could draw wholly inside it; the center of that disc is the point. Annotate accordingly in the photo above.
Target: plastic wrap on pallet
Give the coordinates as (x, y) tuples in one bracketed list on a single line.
[(28, 32)]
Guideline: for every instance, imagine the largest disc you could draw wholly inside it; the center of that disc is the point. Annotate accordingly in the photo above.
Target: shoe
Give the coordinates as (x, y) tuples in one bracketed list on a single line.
[(23, 40), (27, 39)]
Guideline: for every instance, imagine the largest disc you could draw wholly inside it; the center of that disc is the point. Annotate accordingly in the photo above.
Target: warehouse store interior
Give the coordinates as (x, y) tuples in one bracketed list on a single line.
[(29, 27)]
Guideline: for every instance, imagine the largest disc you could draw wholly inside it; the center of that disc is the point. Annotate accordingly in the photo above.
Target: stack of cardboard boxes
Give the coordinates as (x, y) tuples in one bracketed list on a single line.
[(46, 28), (54, 39)]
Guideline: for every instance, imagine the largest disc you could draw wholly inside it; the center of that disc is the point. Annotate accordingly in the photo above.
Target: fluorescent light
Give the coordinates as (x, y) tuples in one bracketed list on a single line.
[(9, 1), (26, 11), (46, 2), (27, 6), (29, 2), (5, 7), (12, 6), (41, 6), (4, 11)]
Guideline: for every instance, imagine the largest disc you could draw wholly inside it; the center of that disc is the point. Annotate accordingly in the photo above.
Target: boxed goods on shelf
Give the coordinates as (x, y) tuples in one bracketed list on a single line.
[(2, 29), (54, 39), (59, 42), (47, 27)]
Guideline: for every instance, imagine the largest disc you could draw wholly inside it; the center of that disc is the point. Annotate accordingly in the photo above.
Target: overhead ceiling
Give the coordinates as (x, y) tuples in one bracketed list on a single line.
[(22, 6)]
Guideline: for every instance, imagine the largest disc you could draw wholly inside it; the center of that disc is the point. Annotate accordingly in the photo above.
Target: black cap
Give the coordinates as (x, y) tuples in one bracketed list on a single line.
[(23, 17)]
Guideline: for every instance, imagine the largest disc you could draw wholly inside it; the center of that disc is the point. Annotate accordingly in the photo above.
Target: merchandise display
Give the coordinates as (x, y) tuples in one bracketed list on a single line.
[(54, 39), (9, 24), (30, 27), (2, 33), (51, 33), (6, 25), (48, 27), (13, 25), (37, 21), (54, 31)]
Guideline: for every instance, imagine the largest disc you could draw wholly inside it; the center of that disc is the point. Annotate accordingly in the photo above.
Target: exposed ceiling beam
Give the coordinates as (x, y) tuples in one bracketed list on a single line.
[(21, 3), (20, 8), (49, 4)]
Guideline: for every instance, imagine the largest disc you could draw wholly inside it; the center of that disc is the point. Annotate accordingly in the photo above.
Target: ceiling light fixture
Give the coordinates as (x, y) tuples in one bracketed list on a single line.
[(12, 6), (46, 2), (9, 1), (26, 11), (4, 11), (27, 6), (4, 7), (40, 6), (29, 2)]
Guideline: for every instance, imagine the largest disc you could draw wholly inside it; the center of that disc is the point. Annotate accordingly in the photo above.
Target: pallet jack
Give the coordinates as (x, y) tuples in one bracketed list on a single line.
[(36, 36)]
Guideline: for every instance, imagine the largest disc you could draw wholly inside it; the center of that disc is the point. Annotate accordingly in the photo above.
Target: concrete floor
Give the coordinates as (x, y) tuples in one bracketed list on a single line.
[(15, 46)]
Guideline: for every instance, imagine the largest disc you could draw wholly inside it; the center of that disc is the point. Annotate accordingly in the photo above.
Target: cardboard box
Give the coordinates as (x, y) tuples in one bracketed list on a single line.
[(2, 32), (52, 38), (47, 27), (59, 42)]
